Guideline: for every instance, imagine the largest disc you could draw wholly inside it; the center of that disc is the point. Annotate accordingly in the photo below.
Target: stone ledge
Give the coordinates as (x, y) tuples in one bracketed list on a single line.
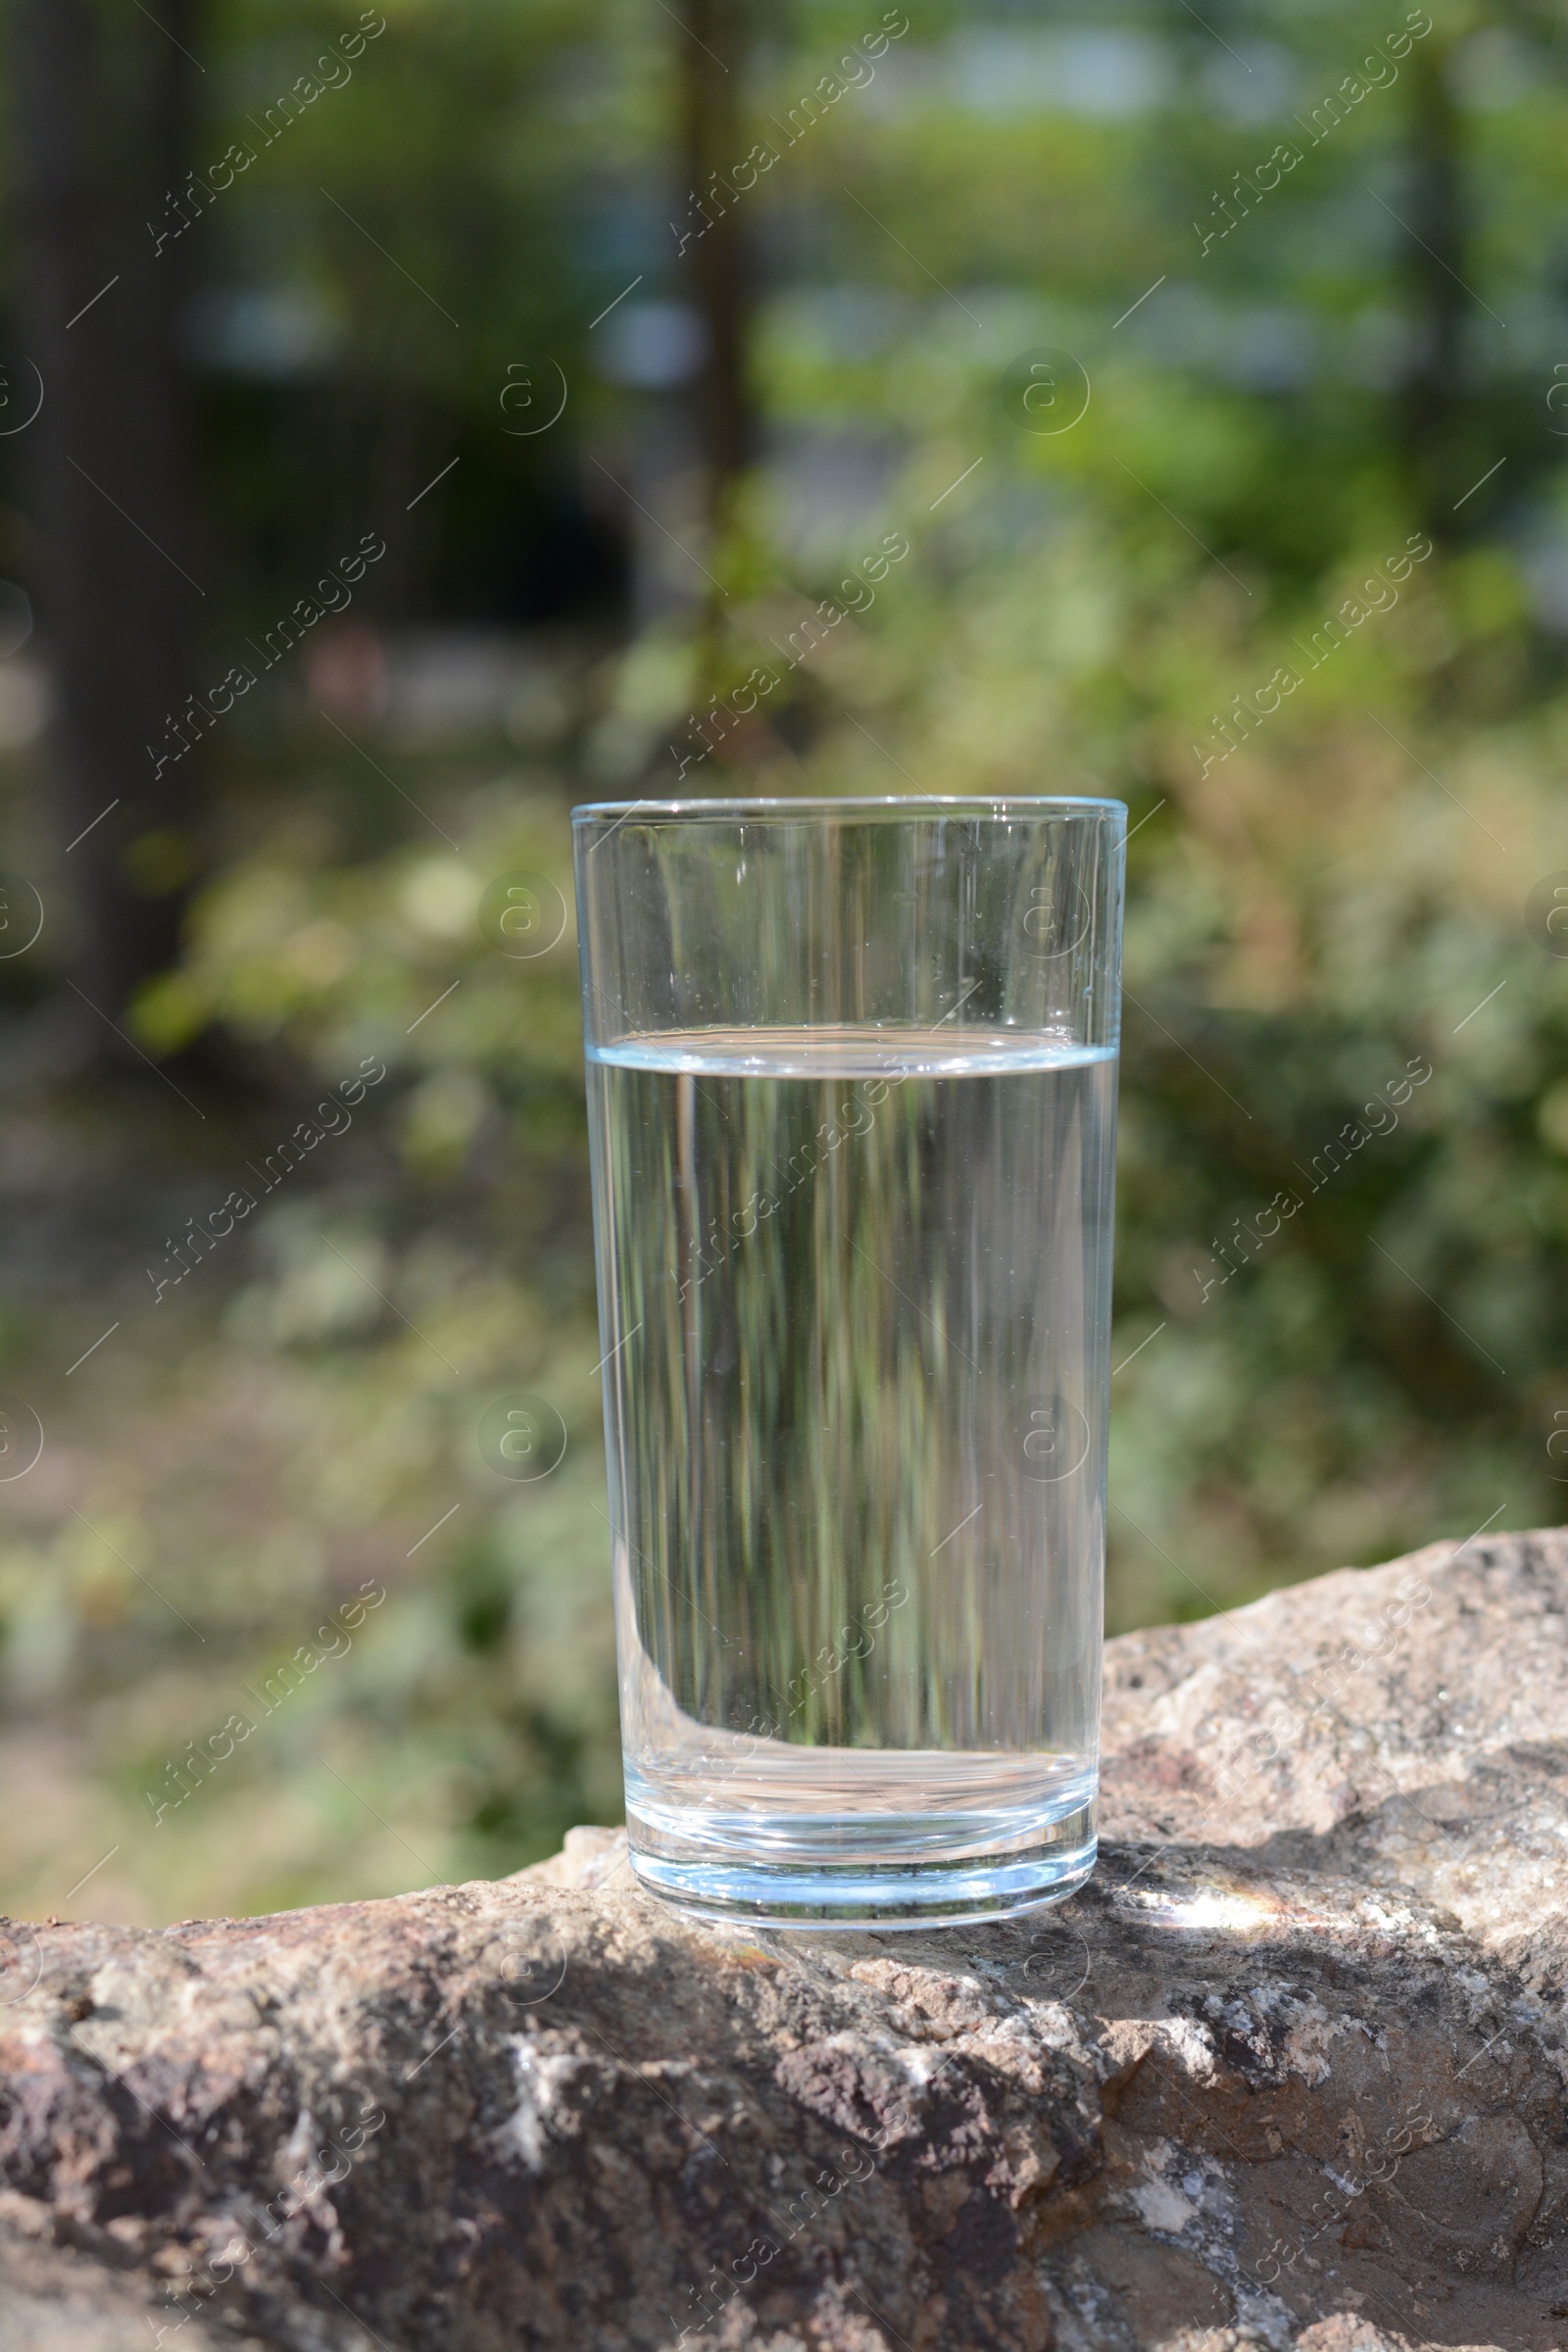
[(1289, 2073)]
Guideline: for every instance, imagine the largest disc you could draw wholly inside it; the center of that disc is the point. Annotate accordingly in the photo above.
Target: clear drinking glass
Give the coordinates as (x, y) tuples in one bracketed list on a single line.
[(852, 1077)]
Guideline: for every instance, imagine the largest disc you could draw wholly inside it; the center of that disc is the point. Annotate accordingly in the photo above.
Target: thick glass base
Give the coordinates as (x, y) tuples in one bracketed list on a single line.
[(807, 1873)]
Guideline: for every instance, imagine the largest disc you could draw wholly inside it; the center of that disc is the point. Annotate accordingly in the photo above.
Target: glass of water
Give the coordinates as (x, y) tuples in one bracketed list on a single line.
[(852, 1077)]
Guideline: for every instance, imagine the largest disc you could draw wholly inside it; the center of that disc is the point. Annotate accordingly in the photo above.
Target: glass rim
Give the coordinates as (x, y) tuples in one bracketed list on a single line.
[(995, 807)]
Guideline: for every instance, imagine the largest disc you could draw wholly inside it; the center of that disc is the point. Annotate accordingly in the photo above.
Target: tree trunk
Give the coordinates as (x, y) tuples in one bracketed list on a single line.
[(101, 145), (1435, 265), (711, 52)]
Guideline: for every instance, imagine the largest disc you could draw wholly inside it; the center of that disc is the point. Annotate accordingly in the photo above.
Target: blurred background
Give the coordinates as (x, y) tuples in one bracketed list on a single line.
[(413, 422)]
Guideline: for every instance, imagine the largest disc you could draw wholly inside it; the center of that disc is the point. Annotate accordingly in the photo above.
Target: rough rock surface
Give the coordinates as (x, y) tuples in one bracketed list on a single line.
[(1289, 2073)]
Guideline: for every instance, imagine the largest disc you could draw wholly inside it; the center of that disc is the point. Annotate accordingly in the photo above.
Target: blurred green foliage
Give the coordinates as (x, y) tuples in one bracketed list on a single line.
[(1338, 898)]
